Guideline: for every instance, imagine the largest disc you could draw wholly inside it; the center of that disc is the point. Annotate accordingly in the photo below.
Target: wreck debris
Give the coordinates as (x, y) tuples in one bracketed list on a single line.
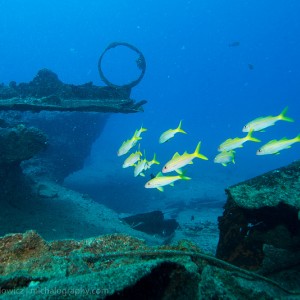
[(152, 223), (140, 62), (47, 92), (17, 143), (262, 211), (120, 266)]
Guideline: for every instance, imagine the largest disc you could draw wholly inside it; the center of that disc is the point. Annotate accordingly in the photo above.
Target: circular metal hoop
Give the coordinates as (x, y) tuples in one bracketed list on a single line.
[(141, 64)]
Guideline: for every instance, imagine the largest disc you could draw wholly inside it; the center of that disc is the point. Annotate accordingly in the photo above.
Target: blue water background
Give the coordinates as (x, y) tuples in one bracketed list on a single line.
[(193, 74)]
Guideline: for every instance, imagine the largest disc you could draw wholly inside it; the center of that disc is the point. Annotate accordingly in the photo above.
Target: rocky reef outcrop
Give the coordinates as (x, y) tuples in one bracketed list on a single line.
[(260, 225), (17, 143)]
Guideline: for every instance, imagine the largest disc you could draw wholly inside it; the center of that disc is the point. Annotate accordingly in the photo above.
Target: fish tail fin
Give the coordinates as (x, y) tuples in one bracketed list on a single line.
[(183, 177), (136, 136), (179, 129), (154, 160), (283, 116), (298, 138), (249, 137), (198, 154), (143, 129)]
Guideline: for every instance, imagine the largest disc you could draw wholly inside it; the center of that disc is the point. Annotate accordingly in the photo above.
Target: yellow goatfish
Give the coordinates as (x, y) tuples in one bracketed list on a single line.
[(127, 145), (263, 122), (274, 146), (231, 144), (140, 131), (160, 181), (178, 161), (225, 158), (140, 167), (132, 159), (167, 135)]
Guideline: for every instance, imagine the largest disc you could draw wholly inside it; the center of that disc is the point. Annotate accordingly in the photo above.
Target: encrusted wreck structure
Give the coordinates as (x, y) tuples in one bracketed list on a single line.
[(262, 216), (62, 105), (72, 116), (47, 93)]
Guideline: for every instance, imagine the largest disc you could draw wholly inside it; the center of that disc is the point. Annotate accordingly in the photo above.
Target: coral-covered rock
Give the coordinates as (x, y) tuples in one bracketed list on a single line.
[(17, 144), (261, 211), (20, 143), (121, 267), (47, 92)]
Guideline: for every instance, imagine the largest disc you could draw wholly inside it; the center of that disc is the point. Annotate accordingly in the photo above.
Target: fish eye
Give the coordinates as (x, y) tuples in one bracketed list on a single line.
[(259, 150)]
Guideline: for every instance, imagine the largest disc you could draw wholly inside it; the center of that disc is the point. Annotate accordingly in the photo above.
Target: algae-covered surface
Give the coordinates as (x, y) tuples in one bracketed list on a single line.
[(122, 267), (47, 92), (270, 189)]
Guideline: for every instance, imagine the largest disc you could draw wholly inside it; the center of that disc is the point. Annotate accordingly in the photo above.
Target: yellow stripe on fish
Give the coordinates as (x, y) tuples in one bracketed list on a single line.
[(274, 146), (179, 161), (225, 158), (160, 181), (167, 135), (140, 167), (129, 144), (263, 122), (132, 159), (231, 144)]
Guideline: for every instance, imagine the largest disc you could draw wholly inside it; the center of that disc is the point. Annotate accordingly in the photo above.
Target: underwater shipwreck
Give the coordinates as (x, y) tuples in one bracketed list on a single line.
[(258, 253)]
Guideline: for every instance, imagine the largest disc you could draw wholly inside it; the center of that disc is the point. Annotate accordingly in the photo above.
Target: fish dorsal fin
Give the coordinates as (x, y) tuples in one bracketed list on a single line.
[(160, 174), (271, 142), (176, 155)]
